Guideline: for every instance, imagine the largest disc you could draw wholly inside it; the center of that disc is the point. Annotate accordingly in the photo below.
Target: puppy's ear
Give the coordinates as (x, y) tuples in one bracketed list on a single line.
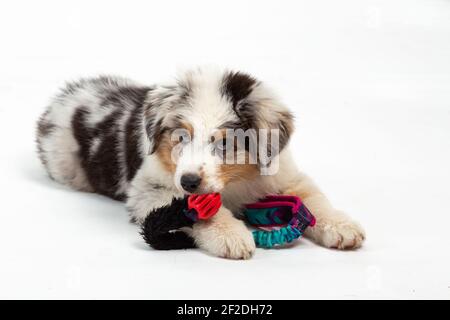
[(257, 106), (160, 105)]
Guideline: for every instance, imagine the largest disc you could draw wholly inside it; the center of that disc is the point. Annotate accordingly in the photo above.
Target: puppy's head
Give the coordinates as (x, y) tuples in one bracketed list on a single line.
[(212, 128)]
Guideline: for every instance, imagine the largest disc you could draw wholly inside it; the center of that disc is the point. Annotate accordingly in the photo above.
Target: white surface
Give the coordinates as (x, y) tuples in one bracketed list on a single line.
[(369, 82)]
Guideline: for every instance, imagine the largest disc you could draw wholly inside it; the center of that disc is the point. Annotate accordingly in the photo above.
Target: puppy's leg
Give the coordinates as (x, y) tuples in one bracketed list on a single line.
[(224, 236), (334, 229)]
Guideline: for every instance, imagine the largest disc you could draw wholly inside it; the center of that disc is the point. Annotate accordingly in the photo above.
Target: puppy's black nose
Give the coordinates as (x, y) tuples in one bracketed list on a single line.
[(190, 181)]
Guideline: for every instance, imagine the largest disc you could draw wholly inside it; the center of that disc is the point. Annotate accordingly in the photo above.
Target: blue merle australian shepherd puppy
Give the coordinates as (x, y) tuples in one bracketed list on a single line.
[(118, 138)]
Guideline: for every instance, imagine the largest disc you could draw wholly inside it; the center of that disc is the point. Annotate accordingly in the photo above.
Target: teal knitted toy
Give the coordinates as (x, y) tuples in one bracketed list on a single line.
[(279, 220)]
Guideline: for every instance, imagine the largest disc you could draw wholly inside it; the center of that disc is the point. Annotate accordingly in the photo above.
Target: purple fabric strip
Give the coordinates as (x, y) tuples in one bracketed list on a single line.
[(277, 201)]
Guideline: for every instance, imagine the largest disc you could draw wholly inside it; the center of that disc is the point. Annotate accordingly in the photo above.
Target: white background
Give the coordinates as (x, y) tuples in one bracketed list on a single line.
[(369, 82)]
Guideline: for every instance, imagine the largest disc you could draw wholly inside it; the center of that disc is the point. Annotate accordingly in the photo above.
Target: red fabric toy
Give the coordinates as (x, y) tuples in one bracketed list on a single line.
[(203, 206)]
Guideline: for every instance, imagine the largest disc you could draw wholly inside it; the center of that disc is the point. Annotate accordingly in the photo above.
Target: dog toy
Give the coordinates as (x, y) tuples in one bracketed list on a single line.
[(279, 219), (161, 227), (202, 206)]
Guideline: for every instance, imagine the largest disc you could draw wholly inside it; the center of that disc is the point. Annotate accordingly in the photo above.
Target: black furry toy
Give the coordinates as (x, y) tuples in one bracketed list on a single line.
[(161, 227)]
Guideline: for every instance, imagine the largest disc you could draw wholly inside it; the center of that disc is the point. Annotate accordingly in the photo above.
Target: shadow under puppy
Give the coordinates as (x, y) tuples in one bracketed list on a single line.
[(113, 136)]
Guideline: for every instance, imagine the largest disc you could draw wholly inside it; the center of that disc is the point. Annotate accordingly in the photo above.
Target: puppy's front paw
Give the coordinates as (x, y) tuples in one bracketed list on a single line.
[(228, 238), (337, 231), (233, 245)]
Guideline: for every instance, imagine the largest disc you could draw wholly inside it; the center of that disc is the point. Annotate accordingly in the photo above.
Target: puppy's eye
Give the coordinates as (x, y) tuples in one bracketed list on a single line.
[(183, 137)]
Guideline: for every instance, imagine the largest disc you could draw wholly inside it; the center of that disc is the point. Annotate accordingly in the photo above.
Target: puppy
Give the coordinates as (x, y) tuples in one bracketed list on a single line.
[(151, 145)]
